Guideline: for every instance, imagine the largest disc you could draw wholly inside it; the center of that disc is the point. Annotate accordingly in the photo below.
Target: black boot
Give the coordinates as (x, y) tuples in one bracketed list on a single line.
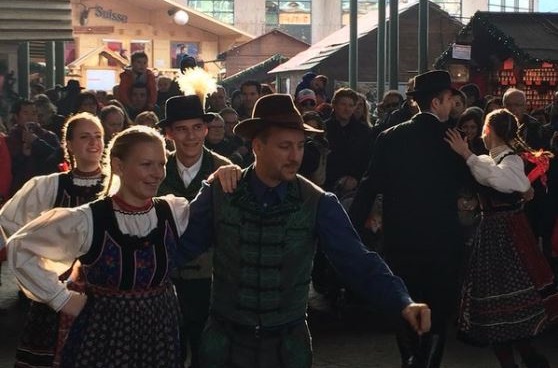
[(408, 343), (432, 348)]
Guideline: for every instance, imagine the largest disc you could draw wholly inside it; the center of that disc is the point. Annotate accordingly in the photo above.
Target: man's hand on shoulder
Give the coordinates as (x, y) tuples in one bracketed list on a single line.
[(228, 176), (418, 316)]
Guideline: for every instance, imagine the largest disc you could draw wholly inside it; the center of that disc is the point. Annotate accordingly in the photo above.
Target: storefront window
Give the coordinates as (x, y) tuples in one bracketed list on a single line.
[(294, 17), (511, 5), (364, 7), (452, 7), (525, 5), (288, 12), (220, 10)]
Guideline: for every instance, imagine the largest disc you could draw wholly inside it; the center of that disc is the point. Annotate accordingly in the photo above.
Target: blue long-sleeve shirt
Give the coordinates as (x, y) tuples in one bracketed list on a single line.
[(364, 271)]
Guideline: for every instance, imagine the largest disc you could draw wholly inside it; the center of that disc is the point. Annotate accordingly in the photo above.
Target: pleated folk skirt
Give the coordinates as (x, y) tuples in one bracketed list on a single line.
[(509, 290), (130, 329)]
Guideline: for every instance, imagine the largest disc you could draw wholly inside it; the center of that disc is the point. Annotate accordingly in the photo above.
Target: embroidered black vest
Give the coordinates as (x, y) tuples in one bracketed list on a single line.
[(125, 262), (71, 195)]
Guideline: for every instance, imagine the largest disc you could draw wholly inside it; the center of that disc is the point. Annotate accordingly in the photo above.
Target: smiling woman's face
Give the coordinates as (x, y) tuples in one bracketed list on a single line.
[(141, 171)]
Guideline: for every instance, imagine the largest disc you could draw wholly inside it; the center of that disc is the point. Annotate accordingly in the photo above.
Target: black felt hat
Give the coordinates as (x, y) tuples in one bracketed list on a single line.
[(183, 108), (432, 82)]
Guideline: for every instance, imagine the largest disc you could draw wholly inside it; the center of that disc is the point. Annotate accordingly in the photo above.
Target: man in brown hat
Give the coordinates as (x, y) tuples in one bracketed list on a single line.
[(419, 176), (265, 235), (190, 164)]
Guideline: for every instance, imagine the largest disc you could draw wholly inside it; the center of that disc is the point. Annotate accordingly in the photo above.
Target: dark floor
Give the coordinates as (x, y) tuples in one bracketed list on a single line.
[(357, 338)]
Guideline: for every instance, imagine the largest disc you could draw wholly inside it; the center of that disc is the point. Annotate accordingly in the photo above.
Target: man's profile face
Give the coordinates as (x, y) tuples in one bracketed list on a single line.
[(443, 105), (515, 102), (278, 157)]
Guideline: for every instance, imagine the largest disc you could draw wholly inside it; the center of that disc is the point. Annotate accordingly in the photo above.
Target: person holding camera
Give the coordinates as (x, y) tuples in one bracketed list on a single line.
[(33, 149)]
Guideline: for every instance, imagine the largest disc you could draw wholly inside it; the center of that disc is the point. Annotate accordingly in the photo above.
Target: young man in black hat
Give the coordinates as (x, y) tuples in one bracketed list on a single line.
[(265, 235), (187, 167), (420, 177)]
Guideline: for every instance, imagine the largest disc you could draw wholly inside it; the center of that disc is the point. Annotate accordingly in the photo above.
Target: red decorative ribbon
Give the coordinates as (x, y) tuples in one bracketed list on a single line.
[(64, 167), (541, 162)]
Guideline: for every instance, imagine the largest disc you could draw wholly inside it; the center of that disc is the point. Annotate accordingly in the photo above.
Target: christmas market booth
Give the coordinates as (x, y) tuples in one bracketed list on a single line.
[(497, 51)]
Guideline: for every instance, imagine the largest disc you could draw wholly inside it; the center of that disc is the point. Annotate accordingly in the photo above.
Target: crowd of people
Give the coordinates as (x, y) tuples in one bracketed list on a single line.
[(152, 228)]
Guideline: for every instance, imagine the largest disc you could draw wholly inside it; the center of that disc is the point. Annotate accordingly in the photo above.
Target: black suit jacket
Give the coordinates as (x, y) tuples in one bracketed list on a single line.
[(349, 150), (420, 177)]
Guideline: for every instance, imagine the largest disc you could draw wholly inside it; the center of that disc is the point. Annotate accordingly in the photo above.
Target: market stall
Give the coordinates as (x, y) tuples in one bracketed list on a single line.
[(497, 51)]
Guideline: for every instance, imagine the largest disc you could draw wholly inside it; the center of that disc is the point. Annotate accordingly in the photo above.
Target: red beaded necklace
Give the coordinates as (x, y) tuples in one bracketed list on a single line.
[(128, 207), (82, 174)]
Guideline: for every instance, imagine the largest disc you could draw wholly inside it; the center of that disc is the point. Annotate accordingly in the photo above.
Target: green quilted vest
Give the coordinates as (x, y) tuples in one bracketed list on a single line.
[(263, 257)]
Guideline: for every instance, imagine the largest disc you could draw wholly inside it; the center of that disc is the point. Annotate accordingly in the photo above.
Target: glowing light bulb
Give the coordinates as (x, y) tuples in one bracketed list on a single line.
[(181, 17)]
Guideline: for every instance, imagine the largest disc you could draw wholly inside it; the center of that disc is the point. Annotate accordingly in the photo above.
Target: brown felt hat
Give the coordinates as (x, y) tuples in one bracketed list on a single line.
[(276, 110)]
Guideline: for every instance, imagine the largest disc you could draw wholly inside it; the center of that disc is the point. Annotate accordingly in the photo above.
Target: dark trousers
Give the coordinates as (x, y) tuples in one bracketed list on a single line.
[(193, 296), (435, 284), (227, 345)]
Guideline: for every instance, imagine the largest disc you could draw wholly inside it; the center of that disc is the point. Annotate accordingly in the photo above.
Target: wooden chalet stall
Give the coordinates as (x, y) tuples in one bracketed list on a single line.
[(330, 56), (497, 51)]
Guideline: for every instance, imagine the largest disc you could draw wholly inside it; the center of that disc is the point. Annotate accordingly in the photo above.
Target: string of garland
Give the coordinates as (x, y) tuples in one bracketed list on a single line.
[(482, 20)]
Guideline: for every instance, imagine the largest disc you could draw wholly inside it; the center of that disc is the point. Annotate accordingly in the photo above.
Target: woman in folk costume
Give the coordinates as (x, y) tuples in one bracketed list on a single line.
[(509, 293), (83, 146), (126, 244)]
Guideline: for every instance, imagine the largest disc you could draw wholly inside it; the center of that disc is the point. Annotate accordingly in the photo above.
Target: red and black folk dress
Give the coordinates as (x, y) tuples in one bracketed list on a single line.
[(131, 314), (509, 292), (40, 338)]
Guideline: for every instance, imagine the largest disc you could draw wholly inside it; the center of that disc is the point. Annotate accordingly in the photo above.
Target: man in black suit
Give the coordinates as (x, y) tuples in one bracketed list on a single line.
[(419, 177)]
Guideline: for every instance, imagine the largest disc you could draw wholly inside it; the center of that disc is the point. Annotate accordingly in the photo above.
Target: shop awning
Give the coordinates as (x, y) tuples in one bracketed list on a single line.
[(256, 72), (197, 19), (35, 20), (526, 37), (323, 49)]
